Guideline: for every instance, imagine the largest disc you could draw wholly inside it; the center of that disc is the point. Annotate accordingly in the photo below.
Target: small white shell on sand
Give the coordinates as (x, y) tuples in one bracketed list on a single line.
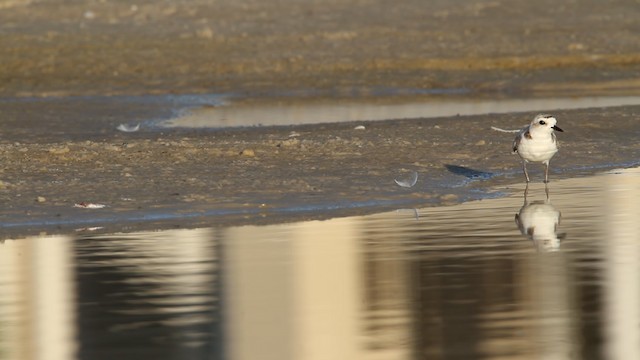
[(128, 128), (85, 205), (94, 228), (359, 127)]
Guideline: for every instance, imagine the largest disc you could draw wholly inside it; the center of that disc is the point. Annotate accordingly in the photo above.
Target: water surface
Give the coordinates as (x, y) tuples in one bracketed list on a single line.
[(456, 282), (236, 113)]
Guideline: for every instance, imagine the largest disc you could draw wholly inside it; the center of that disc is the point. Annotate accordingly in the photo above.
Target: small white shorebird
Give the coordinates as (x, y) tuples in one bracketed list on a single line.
[(537, 143)]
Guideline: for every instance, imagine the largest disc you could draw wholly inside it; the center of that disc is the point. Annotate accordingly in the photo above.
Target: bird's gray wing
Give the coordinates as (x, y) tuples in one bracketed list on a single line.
[(523, 133), (516, 142)]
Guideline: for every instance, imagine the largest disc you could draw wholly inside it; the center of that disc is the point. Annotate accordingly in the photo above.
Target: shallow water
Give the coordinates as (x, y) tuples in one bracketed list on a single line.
[(237, 114), (457, 282), (66, 116)]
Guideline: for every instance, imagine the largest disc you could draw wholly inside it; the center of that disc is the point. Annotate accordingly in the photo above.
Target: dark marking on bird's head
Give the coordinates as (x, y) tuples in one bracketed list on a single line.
[(545, 121)]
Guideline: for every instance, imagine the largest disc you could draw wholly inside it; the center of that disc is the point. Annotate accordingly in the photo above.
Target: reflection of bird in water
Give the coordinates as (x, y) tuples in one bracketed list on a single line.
[(539, 221)]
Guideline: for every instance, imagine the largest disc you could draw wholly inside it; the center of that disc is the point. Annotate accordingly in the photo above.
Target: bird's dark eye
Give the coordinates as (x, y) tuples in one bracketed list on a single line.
[(542, 122)]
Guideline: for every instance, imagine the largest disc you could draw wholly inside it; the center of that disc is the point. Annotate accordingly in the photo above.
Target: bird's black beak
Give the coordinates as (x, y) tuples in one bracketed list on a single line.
[(557, 128)]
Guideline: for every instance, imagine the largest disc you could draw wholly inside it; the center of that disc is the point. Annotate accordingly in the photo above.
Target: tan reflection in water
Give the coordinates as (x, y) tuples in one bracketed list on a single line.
[(314, 291), (622, 267), (37, 304), (293, 291)]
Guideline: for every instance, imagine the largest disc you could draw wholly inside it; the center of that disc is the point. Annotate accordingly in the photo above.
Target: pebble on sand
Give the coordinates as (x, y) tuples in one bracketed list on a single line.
[(449, 197), (59, 150), (248, 152)]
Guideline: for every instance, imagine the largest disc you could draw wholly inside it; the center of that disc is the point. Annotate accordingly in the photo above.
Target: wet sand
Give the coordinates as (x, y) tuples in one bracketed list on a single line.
[(58, 153), (251, 175)]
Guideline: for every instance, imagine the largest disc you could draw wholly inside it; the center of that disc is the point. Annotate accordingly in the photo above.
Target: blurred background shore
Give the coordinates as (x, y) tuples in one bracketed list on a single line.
[(266, 48)]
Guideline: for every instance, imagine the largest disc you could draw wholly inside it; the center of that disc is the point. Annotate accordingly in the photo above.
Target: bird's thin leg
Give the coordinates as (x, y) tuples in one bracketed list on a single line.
[(546, 172), (524, 167), (546, 190), (526, 192)]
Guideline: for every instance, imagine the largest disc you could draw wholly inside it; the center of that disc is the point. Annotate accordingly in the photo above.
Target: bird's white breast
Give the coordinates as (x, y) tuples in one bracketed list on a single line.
[(540, 148)]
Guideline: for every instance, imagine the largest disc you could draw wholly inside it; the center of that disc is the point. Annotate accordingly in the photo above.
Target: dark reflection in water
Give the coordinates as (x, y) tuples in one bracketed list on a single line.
[(461, 282), (155, 295)]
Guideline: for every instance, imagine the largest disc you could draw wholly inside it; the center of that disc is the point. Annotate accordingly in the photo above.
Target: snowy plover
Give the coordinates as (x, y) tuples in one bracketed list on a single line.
[(537, 143)]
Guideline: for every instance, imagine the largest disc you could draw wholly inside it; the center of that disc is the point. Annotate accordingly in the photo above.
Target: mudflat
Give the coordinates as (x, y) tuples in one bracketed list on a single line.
[(63, 64)]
